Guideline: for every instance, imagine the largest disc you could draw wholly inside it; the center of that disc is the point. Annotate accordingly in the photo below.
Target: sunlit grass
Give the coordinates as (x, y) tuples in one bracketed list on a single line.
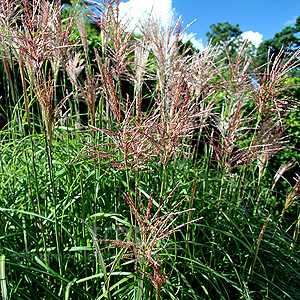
[(139, 169)]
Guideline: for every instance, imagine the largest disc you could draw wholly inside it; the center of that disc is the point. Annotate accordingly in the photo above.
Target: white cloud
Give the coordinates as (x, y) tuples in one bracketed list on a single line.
[(291, 22), (136, 10), (254, 37), (197, 43)]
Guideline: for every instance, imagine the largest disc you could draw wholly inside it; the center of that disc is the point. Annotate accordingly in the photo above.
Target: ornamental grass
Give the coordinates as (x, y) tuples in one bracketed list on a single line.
[(133, 166)]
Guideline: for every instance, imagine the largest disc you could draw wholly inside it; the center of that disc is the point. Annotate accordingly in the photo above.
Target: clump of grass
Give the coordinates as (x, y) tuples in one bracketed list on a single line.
[(153, 232), (152, 105)]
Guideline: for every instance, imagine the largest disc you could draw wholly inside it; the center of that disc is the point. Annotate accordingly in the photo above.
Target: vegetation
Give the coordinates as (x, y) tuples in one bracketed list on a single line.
[(287, 40), (229, 40), (225, 34), (132, 167)]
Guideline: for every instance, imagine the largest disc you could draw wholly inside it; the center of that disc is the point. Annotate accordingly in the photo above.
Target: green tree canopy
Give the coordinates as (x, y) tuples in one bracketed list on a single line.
[(287, 39), (229, 37), (223, 33)]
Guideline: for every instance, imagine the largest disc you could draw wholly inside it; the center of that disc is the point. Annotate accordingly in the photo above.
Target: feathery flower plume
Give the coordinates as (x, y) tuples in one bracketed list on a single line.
[(128, 146), (271, 82), (44, 94), (294, 194), (282, 169), (153, 231), (89, 94), (74, 67)]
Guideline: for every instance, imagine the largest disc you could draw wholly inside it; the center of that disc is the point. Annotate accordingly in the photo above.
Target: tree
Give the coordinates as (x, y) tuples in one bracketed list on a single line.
[(228, 37), (286, 39), (223, 32)]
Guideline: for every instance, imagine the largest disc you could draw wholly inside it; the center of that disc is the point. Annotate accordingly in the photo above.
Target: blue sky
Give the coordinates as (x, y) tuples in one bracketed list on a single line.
[(260, 18)]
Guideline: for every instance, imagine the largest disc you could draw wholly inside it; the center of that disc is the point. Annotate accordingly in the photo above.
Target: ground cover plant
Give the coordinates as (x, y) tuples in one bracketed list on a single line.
[(134, 167)]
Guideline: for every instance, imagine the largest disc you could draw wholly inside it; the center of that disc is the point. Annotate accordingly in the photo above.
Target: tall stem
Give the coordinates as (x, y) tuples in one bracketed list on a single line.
[(157, 293), (220, 196), (163, 182), (50, 165)]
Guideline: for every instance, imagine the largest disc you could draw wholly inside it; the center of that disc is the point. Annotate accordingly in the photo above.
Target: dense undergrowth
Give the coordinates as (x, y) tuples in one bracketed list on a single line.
[(138, 169)]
